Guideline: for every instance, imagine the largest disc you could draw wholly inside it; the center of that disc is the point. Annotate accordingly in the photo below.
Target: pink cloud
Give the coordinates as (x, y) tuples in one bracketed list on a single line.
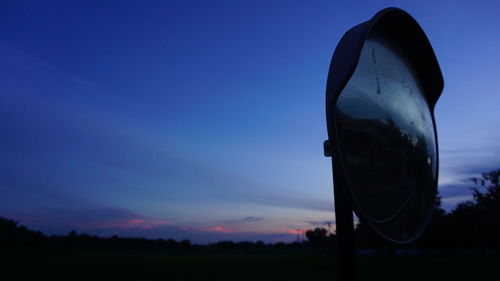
[(220, 229), (137, 221), (143, 223)]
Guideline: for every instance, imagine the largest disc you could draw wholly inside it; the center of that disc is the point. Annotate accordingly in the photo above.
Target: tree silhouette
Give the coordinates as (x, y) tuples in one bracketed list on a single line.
[(320, 241), (472, 227)]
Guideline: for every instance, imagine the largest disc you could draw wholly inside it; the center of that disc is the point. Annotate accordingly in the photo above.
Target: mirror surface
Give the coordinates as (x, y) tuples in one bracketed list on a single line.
[(385, 133)]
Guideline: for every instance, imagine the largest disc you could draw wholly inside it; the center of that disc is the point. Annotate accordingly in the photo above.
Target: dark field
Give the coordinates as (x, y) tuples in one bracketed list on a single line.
[(114, 266)]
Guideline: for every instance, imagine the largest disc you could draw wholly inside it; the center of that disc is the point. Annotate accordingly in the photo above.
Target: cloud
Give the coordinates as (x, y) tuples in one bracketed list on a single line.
[(458, 192), (459, 164), (321, 223), (248, 219), (293, 201), (57, 221), (252, 219), (220, 229), (450, 203), (452, 194)]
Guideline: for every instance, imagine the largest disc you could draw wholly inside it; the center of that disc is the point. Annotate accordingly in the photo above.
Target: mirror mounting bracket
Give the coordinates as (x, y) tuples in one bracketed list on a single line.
[(327, 149)]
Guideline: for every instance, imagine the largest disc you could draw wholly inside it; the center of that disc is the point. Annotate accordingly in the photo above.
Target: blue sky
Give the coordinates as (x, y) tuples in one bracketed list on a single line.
[(205, 119)]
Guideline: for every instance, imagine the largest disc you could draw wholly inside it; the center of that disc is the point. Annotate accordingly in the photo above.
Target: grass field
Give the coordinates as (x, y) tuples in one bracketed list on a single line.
[(114, 266)]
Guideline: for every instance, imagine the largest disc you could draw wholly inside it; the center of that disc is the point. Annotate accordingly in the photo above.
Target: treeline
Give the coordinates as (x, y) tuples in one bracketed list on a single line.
[(15, 237), (472, 227)]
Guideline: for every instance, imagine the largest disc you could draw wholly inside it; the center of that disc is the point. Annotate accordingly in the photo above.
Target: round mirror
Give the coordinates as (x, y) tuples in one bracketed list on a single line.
[(383, 83), (385, 132)]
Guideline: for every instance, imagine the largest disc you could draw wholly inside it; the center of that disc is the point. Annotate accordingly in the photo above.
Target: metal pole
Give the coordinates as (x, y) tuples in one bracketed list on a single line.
[(344, 228)]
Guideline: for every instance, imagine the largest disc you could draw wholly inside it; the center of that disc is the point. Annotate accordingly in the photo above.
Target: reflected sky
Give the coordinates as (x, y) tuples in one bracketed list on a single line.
[(387, 140)]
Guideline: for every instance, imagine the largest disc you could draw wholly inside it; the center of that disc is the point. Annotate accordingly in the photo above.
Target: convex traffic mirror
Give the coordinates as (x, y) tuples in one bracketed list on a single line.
[(383, 83)]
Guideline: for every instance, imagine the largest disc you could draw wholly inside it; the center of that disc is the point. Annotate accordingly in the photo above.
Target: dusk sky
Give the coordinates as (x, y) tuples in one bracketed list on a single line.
[(205, 120)]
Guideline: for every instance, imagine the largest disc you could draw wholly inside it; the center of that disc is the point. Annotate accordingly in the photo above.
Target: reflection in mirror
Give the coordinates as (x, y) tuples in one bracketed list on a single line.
[(386, 138)]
